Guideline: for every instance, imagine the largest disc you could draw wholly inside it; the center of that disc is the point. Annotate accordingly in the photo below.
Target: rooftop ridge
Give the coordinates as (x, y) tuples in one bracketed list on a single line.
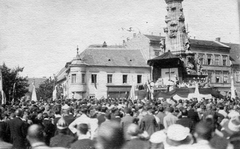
[(221, 44)]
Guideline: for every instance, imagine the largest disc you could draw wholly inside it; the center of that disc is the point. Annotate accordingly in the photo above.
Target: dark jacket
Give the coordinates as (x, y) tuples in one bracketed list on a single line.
[(83, 144), (18, 131), (61, 140), (136, 144), (148, 124), (186, 122)]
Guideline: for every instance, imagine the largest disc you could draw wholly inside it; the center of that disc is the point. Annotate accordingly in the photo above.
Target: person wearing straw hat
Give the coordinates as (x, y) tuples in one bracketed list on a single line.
[(62, 139), (178, 137)]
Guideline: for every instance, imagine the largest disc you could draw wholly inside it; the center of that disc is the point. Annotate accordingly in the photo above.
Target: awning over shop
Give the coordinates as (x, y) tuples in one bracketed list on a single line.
[(118, 88)]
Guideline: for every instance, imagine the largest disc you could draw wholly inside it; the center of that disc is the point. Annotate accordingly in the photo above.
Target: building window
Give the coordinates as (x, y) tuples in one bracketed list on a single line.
[(94, 78), (204, 72), (139, 78), (124, 79), (238, 76), (74, 78), (210, 76), (217, 60), (225, 77), (109, 78), (224, 61), (83, 78), (201, 59), (217, 77), (157, 53), (209, 59)]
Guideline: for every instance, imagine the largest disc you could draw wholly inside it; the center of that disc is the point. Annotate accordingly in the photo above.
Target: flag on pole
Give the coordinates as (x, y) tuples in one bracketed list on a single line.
[(34, 95), (3, 97), (233, 94), (1, 83), (54, 94)]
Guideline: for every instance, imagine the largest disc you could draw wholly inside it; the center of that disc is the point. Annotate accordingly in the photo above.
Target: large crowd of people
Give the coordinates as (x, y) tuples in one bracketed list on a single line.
[(121, 124)]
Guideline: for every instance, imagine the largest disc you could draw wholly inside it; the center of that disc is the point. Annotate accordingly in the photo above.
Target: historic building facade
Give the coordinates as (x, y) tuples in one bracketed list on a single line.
[(214, 56), (104, 71)]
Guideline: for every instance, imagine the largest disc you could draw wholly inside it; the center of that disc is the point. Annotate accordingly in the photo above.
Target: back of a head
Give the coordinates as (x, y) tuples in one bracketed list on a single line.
[(18, 113), (83, 128), (160, 109), (235, 140), (133, 130), (110, 136), (203, 130), (35, 132), (170, 109), (184, 112)]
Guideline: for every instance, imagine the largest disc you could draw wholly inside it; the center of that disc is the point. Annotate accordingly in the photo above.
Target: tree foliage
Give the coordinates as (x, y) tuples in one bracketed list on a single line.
[(11, 77), (45, 89)]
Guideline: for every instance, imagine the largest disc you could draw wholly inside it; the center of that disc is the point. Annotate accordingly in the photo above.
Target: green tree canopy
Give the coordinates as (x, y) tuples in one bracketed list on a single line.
[(14, 86), (45, 89)]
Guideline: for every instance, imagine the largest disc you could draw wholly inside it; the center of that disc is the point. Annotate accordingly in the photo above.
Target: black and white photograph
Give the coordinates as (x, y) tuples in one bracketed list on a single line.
[(120, 74)]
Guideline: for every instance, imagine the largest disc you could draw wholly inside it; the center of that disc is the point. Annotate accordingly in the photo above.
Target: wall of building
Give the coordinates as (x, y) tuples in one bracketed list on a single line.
[(140, 42), (217, 71), (99, 89)]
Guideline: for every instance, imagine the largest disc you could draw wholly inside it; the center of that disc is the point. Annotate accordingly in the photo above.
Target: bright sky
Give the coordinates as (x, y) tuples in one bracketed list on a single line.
[(42, 35)]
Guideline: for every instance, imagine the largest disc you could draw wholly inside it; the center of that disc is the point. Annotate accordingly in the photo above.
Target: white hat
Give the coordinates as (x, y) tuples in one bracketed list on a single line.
[(65, 107), (158, 137), (177, 132)]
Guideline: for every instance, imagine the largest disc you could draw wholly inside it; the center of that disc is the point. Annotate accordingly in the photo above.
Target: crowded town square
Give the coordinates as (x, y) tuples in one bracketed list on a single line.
[(177, 89)]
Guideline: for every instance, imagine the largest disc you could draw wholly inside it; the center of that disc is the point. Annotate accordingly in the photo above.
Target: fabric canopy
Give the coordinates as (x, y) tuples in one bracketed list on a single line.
[(187, 93)]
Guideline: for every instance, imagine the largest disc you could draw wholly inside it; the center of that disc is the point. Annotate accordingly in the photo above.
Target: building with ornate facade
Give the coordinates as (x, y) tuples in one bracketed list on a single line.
[(103, 71), (115, 71), (214, 56)]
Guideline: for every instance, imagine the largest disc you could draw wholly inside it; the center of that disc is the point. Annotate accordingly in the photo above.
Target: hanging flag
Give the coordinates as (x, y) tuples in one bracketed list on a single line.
[(64, 89), (34, 95), (12, 102), (14, 90), (3, 101), (233, 94), (54, 94), (1, 83)]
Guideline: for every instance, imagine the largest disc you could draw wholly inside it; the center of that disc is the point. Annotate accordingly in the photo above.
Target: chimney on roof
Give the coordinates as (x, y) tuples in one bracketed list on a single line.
[(104, 44), (134, 35), (218, 39)]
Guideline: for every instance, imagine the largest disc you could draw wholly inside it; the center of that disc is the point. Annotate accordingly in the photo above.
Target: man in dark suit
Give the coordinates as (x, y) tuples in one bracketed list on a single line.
[(62, 139), (193, 115), (135, 142), (18, 131), (185, 121), (35, 136), (83, 141), (3, 143), (148, 122), (127, 120)]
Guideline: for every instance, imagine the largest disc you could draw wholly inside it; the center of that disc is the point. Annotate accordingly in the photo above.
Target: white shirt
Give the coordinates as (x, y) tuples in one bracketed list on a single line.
[(83, 119), (224, 113)]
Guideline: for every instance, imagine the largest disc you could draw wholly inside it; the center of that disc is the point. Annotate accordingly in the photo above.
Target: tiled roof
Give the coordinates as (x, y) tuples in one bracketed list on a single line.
[(166, 55), (234, 52), (193, 42), (207, 43), (154, 37), (113, 57), (61, 75)]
